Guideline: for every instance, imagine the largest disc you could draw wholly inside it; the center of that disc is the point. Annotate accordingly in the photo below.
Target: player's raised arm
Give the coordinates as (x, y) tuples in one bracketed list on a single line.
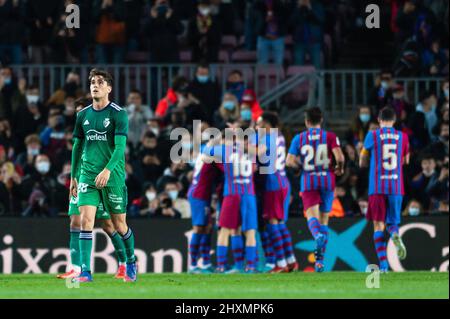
[(340, 161)]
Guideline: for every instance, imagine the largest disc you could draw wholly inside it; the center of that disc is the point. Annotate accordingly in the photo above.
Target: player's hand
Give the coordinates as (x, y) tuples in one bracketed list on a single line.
[(339, 171), (73, 187), (102, 179)]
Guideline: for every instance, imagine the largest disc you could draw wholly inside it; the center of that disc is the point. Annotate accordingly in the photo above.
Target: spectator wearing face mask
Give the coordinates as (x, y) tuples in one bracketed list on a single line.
[(44, 195), (206, 90), (146, 204), (363, 205), (6, 140), (28, 118), (381, 94), (249, 98), (204, 34), (138, 115), (72, 87), (180, 204), (228, 112), (413, 208), (26, 159), (359, 127), (166, 209)]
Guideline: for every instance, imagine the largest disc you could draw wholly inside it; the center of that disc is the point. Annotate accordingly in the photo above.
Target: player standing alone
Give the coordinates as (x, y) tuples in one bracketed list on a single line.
[(313, 151), (389, 150), (100, 136)]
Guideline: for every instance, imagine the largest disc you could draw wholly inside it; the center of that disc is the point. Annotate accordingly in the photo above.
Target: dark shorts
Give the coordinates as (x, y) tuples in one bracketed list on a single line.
[(274, 204), (385, 208), (322, 198), (239, 210)]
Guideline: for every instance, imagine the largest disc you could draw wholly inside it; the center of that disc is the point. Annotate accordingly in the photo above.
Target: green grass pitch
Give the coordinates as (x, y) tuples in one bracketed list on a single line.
[(260, 286)]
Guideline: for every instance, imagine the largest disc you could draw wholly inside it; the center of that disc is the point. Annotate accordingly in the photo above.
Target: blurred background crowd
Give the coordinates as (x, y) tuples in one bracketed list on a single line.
[(36, 130), (412, 39), (36, 144)]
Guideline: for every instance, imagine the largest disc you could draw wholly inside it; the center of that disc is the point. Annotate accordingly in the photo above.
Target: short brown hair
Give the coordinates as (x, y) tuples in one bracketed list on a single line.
[(103, 73), (33, 138), (82, 101)]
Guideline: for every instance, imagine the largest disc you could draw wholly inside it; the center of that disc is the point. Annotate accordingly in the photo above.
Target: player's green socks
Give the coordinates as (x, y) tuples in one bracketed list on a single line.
[(119, 247), (74, 246), (85, 250), (128, 240)]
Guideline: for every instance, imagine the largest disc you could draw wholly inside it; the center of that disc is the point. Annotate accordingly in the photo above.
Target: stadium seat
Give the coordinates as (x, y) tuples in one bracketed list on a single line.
[(268, 76), (224, 56), (229, 42), (244, 56), (300, 93), (137, 57), (186, 56)]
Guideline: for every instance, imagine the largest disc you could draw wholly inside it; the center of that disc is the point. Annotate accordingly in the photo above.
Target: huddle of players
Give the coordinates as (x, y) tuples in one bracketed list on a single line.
[(232, 167), (317, 153)]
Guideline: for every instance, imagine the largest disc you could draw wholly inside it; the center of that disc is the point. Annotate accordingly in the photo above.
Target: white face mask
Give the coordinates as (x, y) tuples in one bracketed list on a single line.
[(173, 194), (414, 211), (150, 195), (33, 151), (205, 11), (364, 211), (32, 99), (43, 167), (155, 130), (428, 173), (131, 108)]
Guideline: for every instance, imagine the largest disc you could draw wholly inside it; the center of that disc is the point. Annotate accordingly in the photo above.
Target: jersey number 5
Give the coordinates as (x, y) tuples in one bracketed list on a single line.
[(389, 156), (320, 157)]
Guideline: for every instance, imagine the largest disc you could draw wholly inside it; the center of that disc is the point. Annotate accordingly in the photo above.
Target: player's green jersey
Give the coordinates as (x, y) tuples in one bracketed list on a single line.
[(97, 130)]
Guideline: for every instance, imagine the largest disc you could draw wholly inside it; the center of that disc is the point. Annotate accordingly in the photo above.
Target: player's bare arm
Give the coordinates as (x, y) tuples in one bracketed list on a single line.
[(340, 161), (292, 161), (364, 158)]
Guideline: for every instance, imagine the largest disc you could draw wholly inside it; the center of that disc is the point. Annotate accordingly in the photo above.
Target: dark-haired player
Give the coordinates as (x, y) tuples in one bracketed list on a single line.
[(98, 153), (75, 225), (313, 151), (388, 150), (276, 194)]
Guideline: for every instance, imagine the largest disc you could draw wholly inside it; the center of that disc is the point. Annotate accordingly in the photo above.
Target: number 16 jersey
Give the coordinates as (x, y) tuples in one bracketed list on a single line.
[(315, 149), (388, 149)]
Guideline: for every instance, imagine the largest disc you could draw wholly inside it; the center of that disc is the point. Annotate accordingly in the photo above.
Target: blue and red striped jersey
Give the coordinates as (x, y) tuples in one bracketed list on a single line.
[(272, 166), (238, 169), (388, 149), (315, 149), (203, 180)]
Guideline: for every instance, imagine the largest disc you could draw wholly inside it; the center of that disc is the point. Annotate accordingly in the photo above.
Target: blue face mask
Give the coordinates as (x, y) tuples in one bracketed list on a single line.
[(414, 211), (384, 84), (364, 118), (229, 105), (7, 81), (246, 115), (202, 78), (446, 93)]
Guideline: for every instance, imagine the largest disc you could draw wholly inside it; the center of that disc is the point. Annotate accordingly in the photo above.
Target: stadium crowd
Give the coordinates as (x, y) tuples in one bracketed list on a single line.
[(163, 31), (36, 144)]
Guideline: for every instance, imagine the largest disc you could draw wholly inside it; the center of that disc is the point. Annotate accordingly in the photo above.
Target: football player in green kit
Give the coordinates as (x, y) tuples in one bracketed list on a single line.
[(106, 224), (100, 136)]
